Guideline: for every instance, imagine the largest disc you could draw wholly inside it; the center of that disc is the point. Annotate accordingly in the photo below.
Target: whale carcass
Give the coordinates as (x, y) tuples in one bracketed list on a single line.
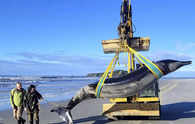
[(125, 86)]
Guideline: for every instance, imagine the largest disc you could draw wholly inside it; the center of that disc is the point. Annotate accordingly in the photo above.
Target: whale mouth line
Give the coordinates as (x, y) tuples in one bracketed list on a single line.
[(186, 62)]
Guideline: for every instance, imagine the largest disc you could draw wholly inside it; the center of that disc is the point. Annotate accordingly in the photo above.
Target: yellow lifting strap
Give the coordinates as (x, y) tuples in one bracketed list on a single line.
[(132, 62), (129, 7), (113, 66), (129, 62), (141, 64), (141, 59), (131, 66), (103, 78), (149, 64)]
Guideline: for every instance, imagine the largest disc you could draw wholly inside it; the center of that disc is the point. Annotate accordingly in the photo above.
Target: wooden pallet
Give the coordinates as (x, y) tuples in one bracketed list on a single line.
[(114, 110)]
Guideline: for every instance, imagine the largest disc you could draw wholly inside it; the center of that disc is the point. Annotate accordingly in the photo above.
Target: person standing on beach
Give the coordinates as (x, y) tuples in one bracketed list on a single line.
[(32, 104), (17, 98)]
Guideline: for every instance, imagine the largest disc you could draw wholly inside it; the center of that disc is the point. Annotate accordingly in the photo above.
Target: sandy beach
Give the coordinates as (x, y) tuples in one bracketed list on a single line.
[(91, 111), (177, 100)]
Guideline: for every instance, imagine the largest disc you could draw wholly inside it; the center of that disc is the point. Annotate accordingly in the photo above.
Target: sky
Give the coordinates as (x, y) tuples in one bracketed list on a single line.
[(63, 37)]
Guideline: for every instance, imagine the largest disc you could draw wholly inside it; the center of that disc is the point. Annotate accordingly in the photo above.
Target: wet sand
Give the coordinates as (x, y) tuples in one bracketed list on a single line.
[(177, 100)]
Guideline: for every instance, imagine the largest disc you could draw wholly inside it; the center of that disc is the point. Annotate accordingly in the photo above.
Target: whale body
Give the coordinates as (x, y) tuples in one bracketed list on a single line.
[(124, 86)]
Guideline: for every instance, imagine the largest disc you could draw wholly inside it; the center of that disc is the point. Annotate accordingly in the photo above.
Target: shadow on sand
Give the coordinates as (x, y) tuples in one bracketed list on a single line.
[(57, 123), (97, 119), (178, 111), (169, 112)]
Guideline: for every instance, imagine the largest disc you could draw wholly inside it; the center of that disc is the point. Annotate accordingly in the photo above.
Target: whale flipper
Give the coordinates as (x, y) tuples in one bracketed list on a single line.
[(64, 114)]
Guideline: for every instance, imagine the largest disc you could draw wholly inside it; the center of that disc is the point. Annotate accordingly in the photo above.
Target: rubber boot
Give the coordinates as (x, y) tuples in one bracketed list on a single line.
[(23, 121), (37, 121), (19, 122), (30, 122)]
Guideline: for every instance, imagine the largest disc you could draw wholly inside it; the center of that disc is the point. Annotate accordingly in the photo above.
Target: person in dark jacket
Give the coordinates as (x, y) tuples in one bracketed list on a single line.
[(32, 104)]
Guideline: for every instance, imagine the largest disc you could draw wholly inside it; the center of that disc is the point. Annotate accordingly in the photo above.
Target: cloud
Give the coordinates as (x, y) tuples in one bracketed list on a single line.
[(35, 68), (30, 63), (62, 59), (169, 55), (176, 56), (185, 46)]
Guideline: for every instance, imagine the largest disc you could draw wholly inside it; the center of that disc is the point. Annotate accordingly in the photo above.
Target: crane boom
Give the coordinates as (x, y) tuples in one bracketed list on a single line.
[(125, 28)]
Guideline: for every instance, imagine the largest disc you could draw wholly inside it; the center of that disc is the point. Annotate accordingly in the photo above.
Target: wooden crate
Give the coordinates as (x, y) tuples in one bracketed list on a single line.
[(137, 43), (131, 109), (137, 99)]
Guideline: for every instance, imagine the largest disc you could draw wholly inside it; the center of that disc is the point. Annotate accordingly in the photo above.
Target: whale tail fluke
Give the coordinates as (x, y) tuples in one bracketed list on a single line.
[(64, 114)]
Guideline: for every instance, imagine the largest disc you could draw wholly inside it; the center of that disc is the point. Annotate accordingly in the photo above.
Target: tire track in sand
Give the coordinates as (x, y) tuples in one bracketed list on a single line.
[(168, 88)]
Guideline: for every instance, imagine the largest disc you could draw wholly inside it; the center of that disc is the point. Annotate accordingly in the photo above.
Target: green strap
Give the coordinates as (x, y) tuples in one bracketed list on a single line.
[(156, 71), (149, 64), (100, 87), (103, 78)]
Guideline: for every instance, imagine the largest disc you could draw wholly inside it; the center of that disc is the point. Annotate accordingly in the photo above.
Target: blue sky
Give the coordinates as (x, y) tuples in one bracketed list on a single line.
[(63, 37)]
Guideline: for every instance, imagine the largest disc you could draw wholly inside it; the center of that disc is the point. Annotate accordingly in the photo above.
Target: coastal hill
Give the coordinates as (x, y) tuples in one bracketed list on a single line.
[(116, 73), (15, 78)]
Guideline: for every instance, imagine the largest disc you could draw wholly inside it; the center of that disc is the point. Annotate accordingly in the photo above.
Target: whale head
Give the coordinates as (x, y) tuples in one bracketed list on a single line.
[(168, 66)]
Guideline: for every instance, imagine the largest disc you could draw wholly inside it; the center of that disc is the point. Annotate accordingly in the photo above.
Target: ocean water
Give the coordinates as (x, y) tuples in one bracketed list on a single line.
[(51, 90)]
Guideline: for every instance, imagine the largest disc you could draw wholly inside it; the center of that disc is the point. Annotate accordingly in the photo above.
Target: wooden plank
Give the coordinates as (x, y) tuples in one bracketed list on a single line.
[(130, 109), (147, 99), (137, 43), (114, 100), (138, 99)]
